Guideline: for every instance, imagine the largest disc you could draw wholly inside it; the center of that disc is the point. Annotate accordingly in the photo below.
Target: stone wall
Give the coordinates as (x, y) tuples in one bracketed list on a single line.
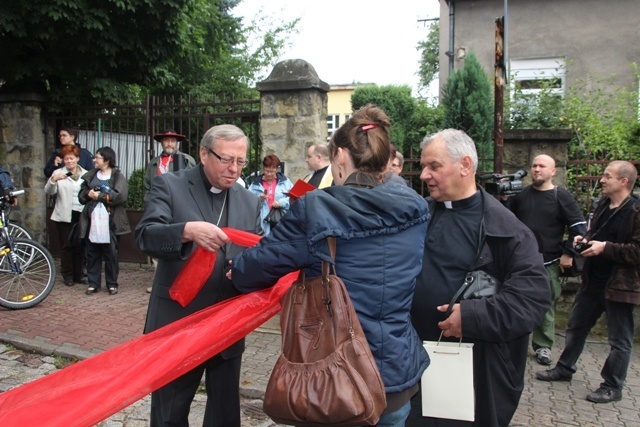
[(521, 146), (22, 152), (293, 114)]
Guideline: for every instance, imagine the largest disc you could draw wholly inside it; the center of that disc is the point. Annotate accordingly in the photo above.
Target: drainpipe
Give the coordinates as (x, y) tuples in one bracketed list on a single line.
[(452, 24)]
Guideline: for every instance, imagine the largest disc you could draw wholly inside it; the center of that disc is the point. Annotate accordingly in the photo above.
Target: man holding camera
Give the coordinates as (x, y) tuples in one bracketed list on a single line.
[(610, 283), (549, 211)]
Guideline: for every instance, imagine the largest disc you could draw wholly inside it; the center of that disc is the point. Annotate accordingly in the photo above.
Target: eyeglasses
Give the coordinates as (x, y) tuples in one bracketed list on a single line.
[(63, 136), (395, 165), (227, 161), (270, 171), (608, 177)]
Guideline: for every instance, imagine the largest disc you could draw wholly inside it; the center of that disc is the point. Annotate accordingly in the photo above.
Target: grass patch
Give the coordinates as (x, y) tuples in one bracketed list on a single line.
[(62, 362)]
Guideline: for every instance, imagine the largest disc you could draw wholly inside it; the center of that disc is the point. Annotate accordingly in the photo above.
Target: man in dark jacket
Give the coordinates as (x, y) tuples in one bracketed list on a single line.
[(610, 284), (470, 230), (184, 210), (549, 211), (170, 160)]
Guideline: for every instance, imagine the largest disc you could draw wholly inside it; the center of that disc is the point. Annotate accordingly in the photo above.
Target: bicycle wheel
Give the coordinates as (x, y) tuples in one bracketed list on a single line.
[(18, 232), (31, 286)]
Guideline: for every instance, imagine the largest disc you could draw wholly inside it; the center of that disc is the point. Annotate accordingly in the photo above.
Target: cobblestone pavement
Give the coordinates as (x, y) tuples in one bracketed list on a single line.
[(71, 324)]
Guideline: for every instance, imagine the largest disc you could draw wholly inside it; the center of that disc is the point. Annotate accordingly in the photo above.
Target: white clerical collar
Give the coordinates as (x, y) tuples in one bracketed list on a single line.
[(448, 204), (215, 190)]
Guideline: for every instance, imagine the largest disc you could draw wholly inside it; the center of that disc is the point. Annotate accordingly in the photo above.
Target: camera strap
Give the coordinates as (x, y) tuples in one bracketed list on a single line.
[(592, 235)]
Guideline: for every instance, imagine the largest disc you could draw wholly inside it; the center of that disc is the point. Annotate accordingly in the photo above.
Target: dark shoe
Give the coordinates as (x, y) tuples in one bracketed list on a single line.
[(80, 281), (68, 282), (91, 290), (113, 291), (604, 395), (543, 356), (552, 375)]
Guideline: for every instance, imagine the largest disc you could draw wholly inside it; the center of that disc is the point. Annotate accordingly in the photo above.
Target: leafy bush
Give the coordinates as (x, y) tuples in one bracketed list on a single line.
[(135, 201)]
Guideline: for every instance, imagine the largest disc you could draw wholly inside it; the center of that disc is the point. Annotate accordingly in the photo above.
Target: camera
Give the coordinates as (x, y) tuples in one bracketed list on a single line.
[(507, 185), (582, 246), (103, 188)]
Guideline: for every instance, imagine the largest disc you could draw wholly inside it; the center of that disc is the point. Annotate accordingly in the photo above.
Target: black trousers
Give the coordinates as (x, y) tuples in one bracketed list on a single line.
[(95, 253), (71, 257), (170, 404)]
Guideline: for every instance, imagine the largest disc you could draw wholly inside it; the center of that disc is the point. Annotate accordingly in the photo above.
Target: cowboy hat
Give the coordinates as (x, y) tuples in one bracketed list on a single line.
[(169, 133)]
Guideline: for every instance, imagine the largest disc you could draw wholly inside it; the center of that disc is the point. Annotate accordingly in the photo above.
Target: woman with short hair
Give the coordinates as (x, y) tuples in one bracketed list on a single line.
[(104, 184)]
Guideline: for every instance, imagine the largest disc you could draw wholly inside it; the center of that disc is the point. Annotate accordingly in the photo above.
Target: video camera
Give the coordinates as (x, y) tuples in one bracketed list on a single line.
[(504, 185)]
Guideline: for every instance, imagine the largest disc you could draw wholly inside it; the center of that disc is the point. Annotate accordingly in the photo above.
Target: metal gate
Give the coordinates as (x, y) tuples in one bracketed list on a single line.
[(129, 130)]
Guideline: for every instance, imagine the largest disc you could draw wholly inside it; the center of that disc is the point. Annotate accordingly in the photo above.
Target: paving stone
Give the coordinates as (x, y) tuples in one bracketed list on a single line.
[(73, 325)]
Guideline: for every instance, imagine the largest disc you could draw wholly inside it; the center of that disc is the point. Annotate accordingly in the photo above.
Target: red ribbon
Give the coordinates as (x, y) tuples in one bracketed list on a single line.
[(90, 391), (198, 268)]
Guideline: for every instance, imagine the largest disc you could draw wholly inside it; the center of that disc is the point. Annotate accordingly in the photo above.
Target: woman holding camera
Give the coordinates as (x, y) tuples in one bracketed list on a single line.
[(65, 184), (104, 186)]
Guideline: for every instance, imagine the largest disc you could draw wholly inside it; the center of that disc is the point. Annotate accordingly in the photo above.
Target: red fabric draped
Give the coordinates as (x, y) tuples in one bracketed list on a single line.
[(90, 391)]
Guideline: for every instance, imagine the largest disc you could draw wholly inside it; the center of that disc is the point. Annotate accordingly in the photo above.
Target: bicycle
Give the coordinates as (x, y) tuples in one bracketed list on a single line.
[(16, 231), (27, 269)]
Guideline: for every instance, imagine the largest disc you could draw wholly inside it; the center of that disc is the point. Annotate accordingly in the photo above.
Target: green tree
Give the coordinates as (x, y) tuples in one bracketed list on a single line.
[(429, 56), (468, 105), (74, 50), (396, 101)]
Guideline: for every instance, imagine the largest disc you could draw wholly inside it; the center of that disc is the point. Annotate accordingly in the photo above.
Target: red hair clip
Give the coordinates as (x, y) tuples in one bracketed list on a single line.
[(367, 127)]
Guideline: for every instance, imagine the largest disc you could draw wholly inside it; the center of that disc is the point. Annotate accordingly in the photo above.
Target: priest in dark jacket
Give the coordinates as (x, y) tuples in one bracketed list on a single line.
[(470, 230)]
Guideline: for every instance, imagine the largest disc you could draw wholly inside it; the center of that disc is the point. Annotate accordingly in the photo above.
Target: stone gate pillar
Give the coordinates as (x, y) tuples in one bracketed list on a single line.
[(22, 152), (521, 146), (293, 114)]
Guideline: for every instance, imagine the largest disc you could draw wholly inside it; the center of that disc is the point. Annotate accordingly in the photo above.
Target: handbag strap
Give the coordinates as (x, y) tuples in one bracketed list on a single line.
[(331, 241)]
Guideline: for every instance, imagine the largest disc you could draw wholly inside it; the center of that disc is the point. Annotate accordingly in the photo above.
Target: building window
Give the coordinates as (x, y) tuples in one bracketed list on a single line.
[(530, 77), (333, 123)]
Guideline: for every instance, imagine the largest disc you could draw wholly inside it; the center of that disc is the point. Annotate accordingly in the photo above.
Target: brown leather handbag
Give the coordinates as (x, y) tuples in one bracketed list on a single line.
[(326, 374)]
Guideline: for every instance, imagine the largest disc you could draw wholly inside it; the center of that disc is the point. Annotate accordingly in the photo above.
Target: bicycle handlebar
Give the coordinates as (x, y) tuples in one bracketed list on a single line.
[(16, 193)]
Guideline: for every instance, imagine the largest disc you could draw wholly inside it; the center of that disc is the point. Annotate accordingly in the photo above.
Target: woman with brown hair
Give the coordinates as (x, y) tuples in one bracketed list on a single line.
[(374, 222), (65, 184)]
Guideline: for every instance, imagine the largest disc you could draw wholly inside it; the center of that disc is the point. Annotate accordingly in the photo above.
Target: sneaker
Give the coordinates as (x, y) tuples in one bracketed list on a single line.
[(543, 356), (552, 375), (604, 395), (149, 290)]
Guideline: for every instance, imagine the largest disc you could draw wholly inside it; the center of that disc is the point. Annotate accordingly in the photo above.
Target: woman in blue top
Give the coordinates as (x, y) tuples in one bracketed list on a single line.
[(380, 229), (271, 187)]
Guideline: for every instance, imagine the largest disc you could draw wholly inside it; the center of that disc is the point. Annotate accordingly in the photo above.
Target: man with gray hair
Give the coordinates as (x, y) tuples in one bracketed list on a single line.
[(470, 230), (183, 210)]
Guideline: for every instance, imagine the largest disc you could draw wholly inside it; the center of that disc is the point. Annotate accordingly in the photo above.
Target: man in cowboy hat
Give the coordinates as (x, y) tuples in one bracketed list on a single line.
[(170, 160)]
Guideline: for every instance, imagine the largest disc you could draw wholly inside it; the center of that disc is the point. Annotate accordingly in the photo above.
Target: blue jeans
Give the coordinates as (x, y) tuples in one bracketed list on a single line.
[(587, 309), (396, 418)]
